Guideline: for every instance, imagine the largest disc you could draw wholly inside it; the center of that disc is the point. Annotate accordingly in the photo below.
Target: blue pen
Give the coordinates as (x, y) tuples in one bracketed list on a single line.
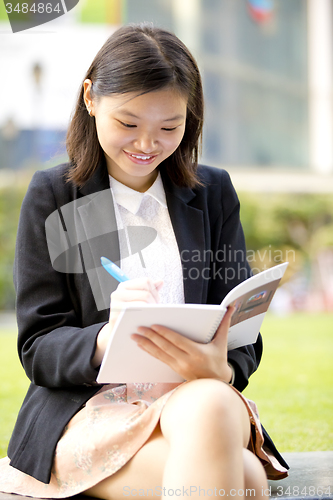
[(114, 270)]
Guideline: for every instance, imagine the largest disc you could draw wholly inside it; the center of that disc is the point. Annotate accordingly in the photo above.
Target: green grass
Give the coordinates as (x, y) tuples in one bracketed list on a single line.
[(293, 387)]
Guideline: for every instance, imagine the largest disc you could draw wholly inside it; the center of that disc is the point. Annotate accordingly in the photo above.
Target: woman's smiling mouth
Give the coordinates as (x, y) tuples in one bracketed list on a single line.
[(140, 159)]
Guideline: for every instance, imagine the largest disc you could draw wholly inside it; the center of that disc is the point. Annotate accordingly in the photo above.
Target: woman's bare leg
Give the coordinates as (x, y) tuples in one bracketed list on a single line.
[(207, 427), (199, 445), (144, 471), (256, 485)]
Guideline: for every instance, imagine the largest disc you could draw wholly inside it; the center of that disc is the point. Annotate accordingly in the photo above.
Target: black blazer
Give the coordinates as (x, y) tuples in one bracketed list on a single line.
[(57, 313)]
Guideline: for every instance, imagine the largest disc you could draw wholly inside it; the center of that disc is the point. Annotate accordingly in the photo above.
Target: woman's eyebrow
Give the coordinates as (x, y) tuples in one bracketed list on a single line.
[(127, 113), (132, 115), (177, 117)]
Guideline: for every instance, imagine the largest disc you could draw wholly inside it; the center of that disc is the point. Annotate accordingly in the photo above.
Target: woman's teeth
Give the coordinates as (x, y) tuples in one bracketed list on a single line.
[(141, 157)]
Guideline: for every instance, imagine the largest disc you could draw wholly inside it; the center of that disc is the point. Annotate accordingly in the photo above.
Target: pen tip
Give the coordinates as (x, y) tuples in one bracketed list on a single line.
[(104, 260)]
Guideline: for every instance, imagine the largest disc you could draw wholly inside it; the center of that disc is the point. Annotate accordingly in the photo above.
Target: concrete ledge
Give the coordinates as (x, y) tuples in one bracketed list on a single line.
[(310, 478)]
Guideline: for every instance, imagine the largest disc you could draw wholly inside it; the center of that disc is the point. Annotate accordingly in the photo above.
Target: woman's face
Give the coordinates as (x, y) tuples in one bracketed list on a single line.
[(137, 133)]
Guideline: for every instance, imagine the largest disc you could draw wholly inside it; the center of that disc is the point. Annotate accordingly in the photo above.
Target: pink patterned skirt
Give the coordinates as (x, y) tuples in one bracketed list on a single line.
[(115, 423)]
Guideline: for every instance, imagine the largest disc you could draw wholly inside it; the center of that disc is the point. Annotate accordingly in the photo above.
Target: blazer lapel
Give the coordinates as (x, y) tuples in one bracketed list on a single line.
[(189, 228), (98, 234)]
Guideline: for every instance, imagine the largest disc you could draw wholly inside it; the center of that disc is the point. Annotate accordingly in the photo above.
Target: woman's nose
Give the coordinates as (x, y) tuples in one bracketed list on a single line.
[(146, 143)]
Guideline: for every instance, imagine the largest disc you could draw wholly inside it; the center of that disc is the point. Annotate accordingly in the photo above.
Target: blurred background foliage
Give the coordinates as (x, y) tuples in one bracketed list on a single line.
[(278, 222), (10, 204)]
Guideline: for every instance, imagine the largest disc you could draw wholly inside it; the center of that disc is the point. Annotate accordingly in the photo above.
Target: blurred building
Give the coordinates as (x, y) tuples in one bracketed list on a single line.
[(266, 66), (255, 77), (267, 71)]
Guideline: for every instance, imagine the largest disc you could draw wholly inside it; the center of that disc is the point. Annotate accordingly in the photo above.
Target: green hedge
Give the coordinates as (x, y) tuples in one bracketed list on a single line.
[(294, 227), (10, 204)]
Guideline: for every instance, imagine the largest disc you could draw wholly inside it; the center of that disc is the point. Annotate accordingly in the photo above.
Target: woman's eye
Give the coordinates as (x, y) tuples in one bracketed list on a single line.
[(127, 125), (169, 129)]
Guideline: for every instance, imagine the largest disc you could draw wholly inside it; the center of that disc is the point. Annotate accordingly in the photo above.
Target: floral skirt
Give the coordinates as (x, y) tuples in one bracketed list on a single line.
[(115, 423)]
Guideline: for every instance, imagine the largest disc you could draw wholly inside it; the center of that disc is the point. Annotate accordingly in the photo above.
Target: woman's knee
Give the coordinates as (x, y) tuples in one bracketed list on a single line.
[(204, 402)]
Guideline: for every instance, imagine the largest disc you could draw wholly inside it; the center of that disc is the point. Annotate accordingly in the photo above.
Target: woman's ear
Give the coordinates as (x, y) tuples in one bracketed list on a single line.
[(87, 96)]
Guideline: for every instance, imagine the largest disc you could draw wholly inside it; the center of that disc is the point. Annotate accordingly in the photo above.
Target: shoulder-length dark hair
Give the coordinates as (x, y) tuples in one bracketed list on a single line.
[(139, 58)]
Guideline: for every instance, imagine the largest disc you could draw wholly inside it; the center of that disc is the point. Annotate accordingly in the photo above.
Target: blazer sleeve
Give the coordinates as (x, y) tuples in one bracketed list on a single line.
[(54, 349), (230, 267)]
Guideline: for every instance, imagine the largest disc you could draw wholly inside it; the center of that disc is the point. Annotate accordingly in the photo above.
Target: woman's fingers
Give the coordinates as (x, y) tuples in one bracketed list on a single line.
[(222, 331), (158, 284), (142, 289), (155, 345), (168, 340), (189, 359), (133, 296)]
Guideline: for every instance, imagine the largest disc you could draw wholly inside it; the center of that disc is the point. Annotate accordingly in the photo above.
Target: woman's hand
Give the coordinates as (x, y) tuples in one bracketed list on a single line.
[(186, 357), (139, 291)]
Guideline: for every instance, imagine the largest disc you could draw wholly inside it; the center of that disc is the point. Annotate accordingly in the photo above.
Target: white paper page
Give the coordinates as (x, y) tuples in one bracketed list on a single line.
[(241, 334)]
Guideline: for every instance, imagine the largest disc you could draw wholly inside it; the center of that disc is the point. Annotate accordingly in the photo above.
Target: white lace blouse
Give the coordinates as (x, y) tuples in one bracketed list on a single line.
[(157, 259)]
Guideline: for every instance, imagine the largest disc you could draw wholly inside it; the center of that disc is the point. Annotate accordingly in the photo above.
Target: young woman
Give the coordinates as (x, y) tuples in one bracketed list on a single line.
[(133, 145)]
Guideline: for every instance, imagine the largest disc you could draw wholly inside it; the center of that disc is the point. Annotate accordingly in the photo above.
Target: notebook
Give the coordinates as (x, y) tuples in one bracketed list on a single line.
[(125, 362)]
